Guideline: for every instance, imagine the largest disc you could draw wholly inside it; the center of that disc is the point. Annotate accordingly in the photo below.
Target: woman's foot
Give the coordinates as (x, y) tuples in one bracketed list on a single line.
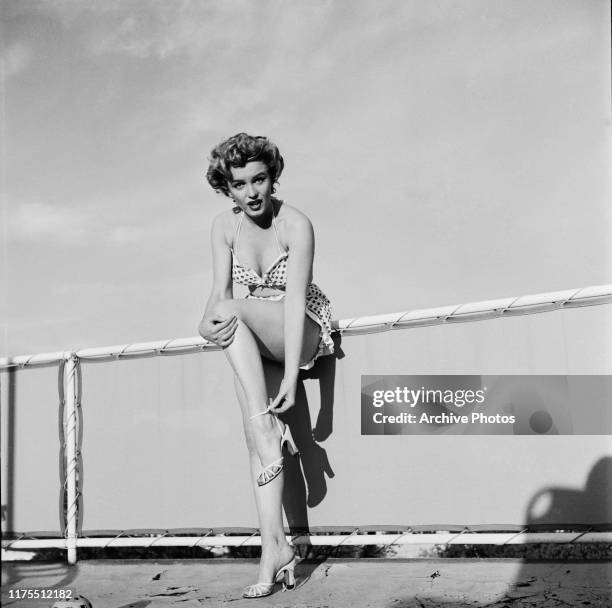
[(267, 428), (276, 565), (272, 559)]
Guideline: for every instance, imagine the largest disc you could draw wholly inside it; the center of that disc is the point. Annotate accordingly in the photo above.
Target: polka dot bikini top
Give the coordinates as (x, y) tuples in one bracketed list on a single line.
[(275, 276)]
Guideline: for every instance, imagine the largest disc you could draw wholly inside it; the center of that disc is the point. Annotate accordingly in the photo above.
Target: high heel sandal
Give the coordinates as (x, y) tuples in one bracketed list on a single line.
[(284, 575), (273, 470)]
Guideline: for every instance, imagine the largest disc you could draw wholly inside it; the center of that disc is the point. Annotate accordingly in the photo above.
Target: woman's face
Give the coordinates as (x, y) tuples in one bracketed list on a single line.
[(251, 188)]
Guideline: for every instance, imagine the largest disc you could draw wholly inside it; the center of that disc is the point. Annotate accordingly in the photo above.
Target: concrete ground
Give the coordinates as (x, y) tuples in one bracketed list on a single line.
[(337, 583)]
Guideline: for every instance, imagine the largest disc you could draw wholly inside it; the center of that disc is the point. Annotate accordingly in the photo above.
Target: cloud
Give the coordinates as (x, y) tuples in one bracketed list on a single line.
[(37, 220), (132, 234), (141, 28), (159, 33)]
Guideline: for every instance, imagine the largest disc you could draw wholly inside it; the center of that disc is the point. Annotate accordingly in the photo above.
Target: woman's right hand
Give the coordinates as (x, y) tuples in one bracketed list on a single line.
[(218, 329)]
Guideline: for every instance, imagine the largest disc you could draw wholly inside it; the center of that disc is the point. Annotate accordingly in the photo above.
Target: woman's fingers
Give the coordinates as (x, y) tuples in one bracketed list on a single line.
[(223, 323), (220, 328), (224, 332), (226, 341), (211, 328), (284, 407), (282, 403), (226, 327), (285, 398), (276, 402)]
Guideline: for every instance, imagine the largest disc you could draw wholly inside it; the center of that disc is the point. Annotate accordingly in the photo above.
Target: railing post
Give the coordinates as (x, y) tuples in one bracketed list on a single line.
[(71, 373)]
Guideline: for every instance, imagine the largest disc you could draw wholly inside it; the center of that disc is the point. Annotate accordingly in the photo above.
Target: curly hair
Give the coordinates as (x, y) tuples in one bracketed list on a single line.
[(237, 151)]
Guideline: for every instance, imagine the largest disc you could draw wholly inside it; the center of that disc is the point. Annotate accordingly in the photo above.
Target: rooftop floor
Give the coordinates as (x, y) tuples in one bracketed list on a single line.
[(330, 582)]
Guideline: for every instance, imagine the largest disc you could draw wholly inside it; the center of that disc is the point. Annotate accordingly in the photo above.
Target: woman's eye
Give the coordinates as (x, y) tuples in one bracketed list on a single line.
[(237, 186)]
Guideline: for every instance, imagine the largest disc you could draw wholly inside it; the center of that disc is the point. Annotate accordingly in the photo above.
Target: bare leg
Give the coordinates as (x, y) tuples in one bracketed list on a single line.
[(275, 550), (245, 359), (260, 329)]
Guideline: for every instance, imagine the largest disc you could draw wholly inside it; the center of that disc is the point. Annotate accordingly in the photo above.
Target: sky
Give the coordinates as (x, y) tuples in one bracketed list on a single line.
[(445, 152)]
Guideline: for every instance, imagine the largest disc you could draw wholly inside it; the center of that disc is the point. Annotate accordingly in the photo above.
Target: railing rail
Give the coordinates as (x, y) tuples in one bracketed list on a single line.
[(461, 313)]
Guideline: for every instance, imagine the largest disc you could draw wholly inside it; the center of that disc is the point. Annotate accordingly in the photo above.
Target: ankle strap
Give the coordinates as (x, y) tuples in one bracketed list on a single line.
[(266, 411)]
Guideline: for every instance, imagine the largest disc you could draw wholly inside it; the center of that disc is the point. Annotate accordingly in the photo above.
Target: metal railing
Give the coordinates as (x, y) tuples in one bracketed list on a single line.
[(473, 311)]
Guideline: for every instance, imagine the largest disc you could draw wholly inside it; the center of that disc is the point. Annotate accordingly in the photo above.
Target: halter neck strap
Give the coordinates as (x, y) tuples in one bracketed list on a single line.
[(238, 231), (280, 249)]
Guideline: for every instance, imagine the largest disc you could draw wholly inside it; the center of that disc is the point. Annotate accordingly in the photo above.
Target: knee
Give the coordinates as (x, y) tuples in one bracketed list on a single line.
[(227, 308), (203, 329)]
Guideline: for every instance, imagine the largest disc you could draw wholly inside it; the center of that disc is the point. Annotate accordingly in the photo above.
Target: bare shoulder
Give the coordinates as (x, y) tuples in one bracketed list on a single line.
[(223, 225), (293, 221)]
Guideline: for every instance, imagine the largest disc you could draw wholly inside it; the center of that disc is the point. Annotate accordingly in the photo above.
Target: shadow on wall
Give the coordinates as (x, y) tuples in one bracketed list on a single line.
[(306, 485), (569, 581), (564, 508), (590, 507), (555, 509)]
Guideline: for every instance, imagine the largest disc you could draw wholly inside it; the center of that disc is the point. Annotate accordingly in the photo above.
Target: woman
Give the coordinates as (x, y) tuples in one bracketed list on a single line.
[(268, 246)]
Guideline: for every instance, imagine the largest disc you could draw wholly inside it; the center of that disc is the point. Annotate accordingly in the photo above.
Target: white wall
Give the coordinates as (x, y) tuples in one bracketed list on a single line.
[(163, 447)]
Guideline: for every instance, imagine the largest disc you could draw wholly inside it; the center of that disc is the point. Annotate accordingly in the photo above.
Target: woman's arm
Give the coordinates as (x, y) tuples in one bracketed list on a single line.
[(214, 327), (299, 273)]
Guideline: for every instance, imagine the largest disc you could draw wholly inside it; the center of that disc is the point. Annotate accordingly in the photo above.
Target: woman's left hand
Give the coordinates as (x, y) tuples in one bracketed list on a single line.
[(286, 395)]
